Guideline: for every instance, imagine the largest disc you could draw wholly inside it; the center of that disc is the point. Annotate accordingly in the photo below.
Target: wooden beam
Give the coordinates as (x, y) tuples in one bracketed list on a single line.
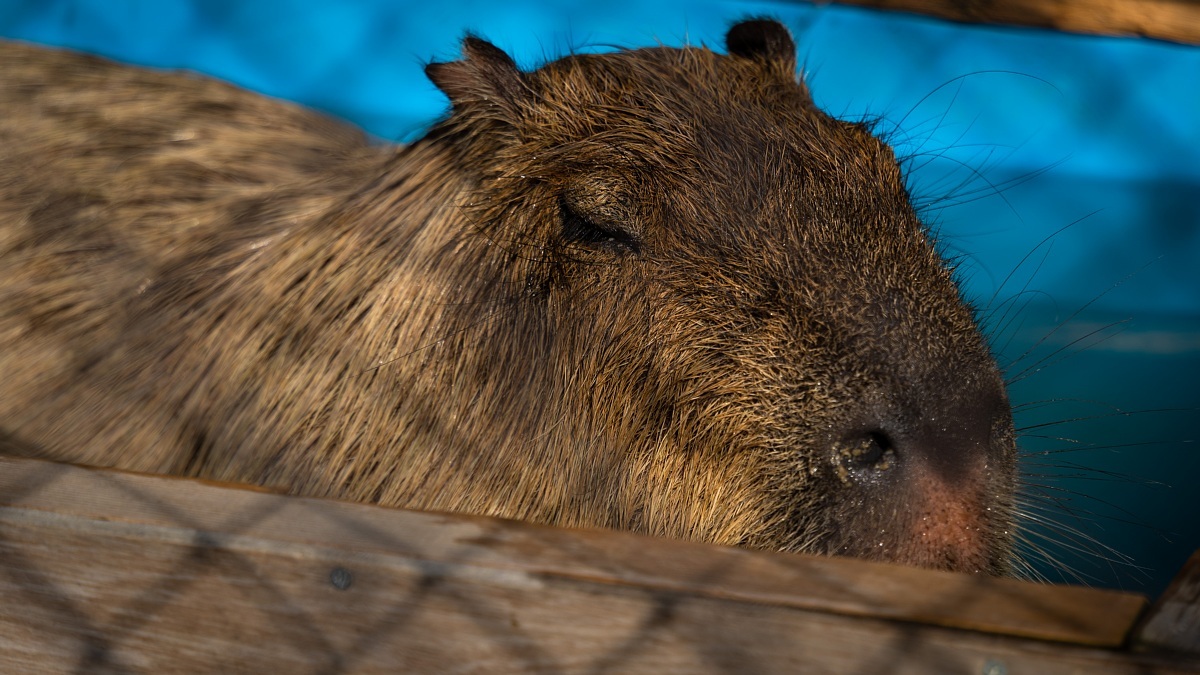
[(101, 570), (1171, 20), (1173, 623)]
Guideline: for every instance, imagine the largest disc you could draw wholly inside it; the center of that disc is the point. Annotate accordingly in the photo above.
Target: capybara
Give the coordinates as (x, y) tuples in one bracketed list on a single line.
[(656, 290)]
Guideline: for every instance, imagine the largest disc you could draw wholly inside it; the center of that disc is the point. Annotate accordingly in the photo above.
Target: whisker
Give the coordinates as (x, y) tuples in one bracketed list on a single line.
[(1088, 418)]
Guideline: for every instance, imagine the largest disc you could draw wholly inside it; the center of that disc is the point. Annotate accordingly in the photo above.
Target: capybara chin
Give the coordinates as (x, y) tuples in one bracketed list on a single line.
[(655, 290)]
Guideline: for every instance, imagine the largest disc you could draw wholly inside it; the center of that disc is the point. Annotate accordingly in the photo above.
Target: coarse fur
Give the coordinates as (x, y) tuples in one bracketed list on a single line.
[(656, 290)]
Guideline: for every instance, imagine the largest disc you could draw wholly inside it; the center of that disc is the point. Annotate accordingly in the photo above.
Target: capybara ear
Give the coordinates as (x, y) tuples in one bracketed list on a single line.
[(486, 82), (762, 39)]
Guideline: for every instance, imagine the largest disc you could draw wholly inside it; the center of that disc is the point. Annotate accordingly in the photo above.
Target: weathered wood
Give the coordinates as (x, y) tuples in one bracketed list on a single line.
[(843, 586), (1173, 20), (1173, 623), (101, 570)]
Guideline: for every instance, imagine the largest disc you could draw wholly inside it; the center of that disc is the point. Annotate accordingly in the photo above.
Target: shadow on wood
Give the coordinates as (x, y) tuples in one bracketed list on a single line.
[(103, 570)]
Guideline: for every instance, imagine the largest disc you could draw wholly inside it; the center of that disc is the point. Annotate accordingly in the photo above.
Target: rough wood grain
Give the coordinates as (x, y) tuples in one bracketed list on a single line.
[(843, 586), (104, 571), (1173, 623), (1172, 20)]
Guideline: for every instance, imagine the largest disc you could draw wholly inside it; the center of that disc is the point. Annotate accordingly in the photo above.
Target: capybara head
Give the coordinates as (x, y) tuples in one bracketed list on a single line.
[(720, 300), (655, 290)]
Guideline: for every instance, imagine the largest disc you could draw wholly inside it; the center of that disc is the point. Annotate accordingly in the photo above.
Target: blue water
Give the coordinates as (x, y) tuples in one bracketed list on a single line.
[(1013, 135)]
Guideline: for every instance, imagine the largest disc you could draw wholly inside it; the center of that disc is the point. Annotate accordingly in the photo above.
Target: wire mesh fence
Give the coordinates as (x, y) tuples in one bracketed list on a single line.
[(109, 572)]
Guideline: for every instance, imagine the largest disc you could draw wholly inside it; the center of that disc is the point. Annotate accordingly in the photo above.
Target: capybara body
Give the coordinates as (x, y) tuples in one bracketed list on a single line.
[(655, 290)]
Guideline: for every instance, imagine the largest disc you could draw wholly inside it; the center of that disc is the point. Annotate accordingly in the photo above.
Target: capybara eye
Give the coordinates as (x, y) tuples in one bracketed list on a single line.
[(577, 228)]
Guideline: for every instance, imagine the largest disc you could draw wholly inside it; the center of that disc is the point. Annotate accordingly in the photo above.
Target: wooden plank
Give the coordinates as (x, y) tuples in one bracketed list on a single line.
[(117, 598), (843, 586), (1172, 20), (1173, 623), (101, 570)]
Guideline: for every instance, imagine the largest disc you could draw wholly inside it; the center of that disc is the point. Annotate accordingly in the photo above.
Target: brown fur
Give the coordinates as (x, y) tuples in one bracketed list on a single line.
[(655, 290)]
